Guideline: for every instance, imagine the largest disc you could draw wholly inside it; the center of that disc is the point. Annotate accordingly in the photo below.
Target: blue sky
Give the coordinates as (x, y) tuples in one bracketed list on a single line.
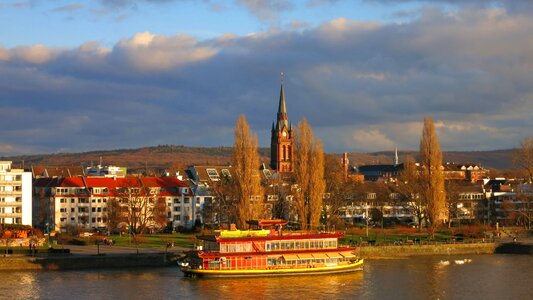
[(71, 23), (89, 75)]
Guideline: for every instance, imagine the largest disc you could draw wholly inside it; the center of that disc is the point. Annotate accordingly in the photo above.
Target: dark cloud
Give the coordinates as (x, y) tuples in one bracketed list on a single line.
[(266, 10), (362, 86), (69, 8), (513, 6)]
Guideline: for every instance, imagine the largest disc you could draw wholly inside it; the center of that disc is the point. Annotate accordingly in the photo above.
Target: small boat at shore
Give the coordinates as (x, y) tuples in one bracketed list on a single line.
[(269, 252)]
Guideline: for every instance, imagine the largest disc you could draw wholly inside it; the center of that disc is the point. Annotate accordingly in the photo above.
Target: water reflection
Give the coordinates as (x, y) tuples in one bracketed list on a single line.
[(485, 277), (284, 287)]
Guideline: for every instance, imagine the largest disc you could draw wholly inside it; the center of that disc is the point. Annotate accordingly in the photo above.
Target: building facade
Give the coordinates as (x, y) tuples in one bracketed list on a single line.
[(86, 202), (15, 195)]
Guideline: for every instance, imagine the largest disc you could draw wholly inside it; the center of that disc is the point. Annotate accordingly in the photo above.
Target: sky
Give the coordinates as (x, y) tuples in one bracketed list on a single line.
[(109, 74)]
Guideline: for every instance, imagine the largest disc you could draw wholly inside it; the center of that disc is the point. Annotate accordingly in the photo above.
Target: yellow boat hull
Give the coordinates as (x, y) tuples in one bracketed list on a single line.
[(351, 267)]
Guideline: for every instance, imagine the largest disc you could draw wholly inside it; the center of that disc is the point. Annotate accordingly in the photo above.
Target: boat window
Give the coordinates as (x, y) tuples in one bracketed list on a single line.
[(267, 246)]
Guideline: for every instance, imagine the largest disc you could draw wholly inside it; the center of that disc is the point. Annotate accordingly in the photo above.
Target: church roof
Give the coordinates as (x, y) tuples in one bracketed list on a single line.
[(283, 121)]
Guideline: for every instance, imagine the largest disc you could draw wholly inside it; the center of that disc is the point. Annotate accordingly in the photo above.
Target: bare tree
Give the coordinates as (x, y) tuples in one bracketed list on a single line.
[(432, 179), (248, 181), (114, 214), (339, 191), (453, 194), (408, 186), (524, 197), (523, 157), (225, 204), (309, 174), (138, 202)]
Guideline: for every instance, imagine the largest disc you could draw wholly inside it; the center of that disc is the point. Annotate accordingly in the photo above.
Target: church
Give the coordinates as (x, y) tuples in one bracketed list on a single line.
[(281, 145)]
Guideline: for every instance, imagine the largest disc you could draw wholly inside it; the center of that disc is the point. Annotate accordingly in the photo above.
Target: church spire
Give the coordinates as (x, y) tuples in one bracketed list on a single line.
[(282, 109)]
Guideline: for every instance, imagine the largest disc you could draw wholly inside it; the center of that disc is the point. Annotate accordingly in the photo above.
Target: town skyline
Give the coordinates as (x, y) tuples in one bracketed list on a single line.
[(363, 73)]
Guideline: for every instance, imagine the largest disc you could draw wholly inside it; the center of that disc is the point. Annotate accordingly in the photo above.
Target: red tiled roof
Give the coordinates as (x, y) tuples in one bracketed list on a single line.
[(167, 183), (72, 182)]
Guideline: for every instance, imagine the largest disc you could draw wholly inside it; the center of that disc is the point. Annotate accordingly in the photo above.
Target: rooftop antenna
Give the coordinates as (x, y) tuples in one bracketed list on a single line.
[(281, 77)]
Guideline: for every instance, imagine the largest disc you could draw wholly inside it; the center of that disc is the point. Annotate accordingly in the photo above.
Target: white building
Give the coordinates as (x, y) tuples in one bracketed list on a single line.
[(15, 195)]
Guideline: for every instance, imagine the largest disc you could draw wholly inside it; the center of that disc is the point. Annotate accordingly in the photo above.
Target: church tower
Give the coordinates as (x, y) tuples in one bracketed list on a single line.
[(281, 145)]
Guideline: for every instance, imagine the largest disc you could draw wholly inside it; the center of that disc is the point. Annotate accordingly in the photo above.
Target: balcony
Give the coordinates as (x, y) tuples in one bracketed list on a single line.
[(12, 215), (10, 193), (10, 182), (4, 204)]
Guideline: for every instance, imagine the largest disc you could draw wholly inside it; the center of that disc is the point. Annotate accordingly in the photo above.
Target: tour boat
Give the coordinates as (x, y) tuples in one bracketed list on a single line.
[(269, 252)]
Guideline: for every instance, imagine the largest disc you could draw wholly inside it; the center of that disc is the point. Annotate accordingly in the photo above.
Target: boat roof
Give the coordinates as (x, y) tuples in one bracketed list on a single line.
[(266, 235)]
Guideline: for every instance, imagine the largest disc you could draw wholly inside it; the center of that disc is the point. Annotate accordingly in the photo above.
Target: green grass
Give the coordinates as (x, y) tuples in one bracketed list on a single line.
[(156, 240), (390, 236)]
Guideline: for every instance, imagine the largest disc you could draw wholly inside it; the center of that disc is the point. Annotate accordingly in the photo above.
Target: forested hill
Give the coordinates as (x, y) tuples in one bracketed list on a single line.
[(165, 156)]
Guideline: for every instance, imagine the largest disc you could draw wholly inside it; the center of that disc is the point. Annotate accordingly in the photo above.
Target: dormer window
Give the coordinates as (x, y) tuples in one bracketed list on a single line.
[(226, 173), (213, 174)]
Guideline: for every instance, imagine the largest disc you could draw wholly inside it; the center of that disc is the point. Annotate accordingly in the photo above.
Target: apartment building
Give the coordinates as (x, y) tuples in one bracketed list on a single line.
[(15, 195), (85, 202)]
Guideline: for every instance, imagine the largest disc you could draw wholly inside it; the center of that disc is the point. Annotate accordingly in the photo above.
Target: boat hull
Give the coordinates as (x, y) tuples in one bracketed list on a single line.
[(351, 267)]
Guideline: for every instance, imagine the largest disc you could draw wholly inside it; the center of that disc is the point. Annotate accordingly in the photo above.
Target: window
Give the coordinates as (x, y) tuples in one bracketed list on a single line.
[(72, 200), (63, 210), (176, 201), (93, 210), (186, 200), (213, 174), (197, 200), (177, 208), (93, 220), (225, 173)]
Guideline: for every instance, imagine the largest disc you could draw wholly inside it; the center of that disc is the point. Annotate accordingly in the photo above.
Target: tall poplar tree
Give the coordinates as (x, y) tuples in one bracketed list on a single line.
[(309, 174), (432, 178), (248, 181)]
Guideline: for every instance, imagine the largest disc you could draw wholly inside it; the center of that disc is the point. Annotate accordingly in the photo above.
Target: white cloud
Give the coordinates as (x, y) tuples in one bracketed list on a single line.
[(37, 54), (371, 138), (150, 52)]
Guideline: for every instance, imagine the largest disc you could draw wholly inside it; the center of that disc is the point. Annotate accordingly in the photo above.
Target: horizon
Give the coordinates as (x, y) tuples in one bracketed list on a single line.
[(126, 74), (259, 148)]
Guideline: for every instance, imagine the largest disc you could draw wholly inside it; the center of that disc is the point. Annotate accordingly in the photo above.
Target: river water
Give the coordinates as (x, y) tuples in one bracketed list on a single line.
[(431, 277)]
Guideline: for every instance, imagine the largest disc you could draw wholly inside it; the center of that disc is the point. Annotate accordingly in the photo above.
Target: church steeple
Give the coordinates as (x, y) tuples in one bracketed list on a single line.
[(283, 121), (281, 150)]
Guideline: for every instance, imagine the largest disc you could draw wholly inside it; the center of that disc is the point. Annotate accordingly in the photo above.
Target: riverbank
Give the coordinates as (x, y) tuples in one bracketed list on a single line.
[(80, 262), (123, 258), (395, 251)]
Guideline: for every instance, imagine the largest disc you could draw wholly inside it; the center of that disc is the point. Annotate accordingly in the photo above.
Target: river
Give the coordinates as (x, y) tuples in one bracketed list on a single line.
[(426, 277)]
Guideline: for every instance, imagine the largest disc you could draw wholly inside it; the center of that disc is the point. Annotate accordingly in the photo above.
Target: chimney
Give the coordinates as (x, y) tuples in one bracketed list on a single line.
[(345, 164)]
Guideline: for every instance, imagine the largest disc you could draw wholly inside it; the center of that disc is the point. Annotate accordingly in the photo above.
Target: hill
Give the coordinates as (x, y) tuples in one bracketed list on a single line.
[(494, 159), (166, 156)]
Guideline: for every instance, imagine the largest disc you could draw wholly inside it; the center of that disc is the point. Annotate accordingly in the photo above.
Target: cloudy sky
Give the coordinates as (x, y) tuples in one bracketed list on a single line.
[(108, 74)]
